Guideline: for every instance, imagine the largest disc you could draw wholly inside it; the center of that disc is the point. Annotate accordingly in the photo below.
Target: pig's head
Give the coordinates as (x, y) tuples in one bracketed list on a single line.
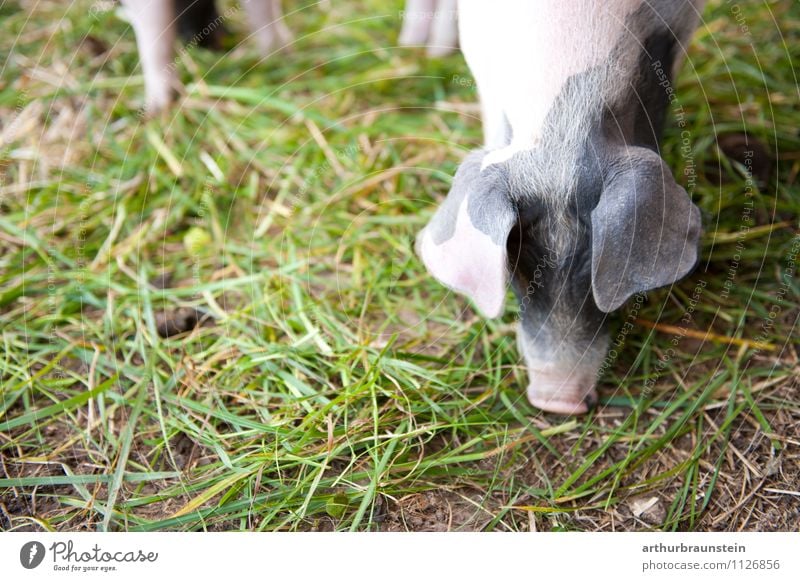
[(623, 226)]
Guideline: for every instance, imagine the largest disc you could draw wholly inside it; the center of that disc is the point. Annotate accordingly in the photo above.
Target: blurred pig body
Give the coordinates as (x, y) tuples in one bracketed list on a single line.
[(569, 200), (157, 22), (431, 23)]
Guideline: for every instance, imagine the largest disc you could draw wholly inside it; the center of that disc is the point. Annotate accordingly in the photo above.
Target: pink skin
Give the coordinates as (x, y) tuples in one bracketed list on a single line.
[(562, 383), (572, 394), (468, 262)]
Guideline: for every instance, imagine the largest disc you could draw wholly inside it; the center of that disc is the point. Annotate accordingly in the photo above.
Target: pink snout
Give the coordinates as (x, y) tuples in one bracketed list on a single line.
[(567, 394)]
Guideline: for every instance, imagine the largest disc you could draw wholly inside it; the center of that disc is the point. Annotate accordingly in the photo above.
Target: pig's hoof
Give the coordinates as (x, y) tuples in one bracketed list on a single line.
[(568, 407)]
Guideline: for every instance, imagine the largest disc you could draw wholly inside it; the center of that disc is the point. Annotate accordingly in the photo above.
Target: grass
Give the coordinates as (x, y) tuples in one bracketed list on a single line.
[(329, 382)]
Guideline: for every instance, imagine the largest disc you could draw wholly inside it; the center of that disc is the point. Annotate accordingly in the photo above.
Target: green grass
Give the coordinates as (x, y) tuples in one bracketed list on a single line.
[(331, 382)]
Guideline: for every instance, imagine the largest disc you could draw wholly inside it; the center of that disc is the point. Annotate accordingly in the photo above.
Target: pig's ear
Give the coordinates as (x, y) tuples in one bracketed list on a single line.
[(464, 244), (645, 230)]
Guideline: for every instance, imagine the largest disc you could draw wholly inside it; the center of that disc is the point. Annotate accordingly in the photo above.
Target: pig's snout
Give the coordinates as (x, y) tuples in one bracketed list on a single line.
[(562, 380), (562, 393)]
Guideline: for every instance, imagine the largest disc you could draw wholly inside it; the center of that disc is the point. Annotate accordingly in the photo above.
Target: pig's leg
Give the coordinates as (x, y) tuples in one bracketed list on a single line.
[(417, 18), (154, 24), (266, 23), (443, 38)]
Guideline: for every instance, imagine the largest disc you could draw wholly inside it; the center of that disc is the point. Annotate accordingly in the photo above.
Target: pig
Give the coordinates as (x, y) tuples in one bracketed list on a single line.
[(568, 200), (156, 22)]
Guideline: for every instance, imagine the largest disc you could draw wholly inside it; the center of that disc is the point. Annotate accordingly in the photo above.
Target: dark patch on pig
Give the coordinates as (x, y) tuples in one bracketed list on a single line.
[(489, 203), (640, 115), (554, 288), (667, 26), (199, 23), (550, 257), (650, 100)]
